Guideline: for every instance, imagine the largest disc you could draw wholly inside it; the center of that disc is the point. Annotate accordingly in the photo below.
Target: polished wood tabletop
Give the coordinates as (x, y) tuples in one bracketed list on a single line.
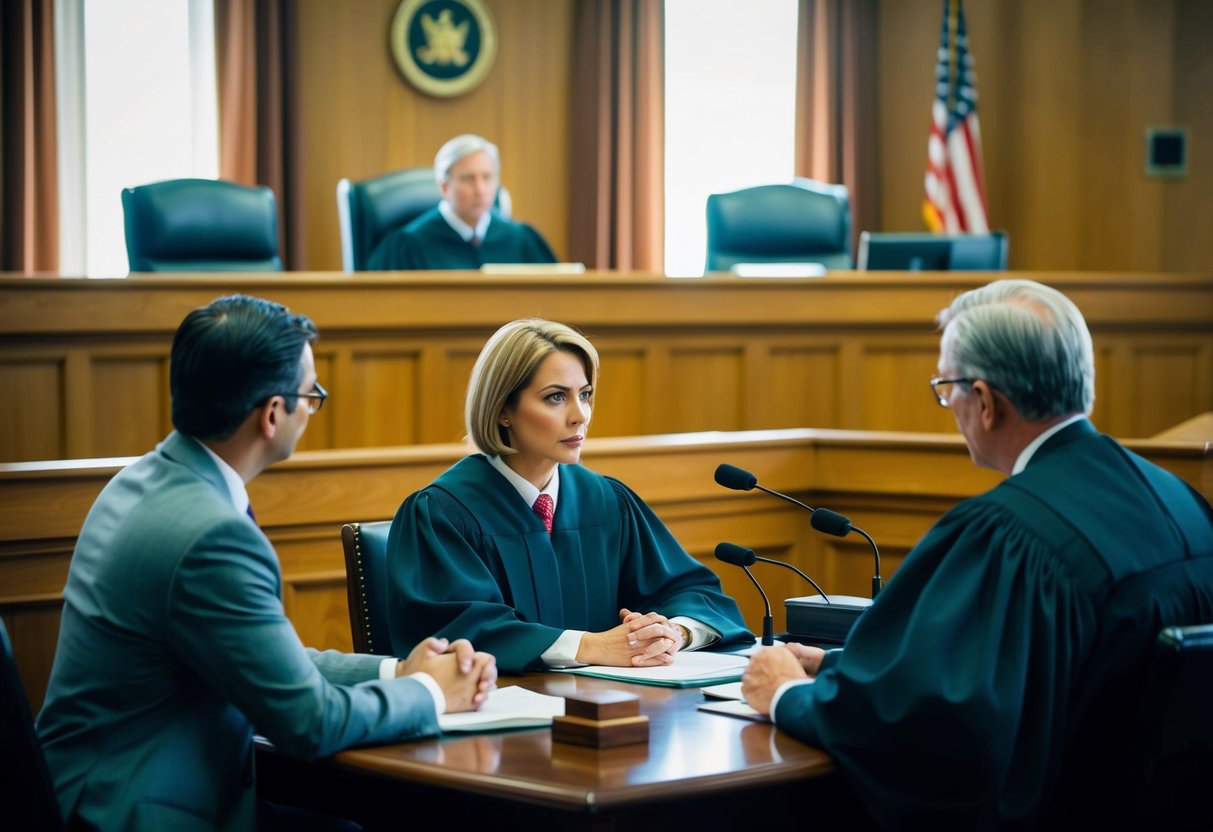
[(697, 770), (689, 752)]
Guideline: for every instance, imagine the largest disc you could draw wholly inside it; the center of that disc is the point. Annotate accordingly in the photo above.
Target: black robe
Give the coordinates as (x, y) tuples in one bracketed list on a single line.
[(993, 679), (468, 558), (429, 242)]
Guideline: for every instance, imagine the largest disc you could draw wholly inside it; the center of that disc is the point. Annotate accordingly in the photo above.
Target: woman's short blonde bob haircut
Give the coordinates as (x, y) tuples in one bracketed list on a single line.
[(506, 366)]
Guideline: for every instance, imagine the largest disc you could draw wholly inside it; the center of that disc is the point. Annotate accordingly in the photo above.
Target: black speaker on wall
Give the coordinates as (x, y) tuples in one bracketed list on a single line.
[(1167, 152)]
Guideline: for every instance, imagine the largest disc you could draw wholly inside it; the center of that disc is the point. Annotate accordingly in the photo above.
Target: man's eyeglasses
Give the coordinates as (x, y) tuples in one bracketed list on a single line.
[(941, 396), (316, 398)]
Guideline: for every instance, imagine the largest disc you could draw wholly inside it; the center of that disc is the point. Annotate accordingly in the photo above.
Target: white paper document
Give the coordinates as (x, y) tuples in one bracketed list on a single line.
[(688, 670), (512, 707), (729, 690), (733, 707)]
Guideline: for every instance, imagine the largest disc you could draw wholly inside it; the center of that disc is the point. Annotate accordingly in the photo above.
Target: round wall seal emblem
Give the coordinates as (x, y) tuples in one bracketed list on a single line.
[(443, 47)]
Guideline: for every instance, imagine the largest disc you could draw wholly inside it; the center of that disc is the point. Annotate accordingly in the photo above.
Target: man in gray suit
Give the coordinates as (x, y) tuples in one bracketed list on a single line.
[(174, 644)]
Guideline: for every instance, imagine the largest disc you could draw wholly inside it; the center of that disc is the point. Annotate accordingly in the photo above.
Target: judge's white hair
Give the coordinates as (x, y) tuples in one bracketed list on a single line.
[(1027, 340), (459, 147)]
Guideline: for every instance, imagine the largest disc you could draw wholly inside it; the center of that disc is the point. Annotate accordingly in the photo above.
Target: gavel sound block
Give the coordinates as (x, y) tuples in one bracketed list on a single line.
[(601, 719)]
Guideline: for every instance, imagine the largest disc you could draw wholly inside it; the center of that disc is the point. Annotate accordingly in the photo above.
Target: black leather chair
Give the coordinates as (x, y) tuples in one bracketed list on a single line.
[(365, 546), (804, 222), (1169, 767), (368, 210), (201, 225), (27, 795)]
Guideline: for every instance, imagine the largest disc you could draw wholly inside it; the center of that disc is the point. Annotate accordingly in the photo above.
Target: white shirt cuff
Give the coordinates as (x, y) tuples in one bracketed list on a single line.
[(387, 670), (563, 651), (701, 634)]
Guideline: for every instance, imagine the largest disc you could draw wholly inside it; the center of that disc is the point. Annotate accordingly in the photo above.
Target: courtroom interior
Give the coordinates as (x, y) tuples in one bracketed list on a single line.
[(410, 211)]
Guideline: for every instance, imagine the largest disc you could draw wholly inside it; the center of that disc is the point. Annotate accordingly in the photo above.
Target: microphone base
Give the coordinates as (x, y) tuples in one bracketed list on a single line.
[(812, 620)]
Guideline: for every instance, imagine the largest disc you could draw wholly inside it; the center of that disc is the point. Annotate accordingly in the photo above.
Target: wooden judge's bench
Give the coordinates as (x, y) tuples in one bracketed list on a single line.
[(84, 363)]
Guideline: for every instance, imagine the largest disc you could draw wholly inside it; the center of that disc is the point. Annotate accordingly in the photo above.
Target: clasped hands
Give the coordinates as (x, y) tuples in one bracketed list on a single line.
[(640, 640), (465, 675)]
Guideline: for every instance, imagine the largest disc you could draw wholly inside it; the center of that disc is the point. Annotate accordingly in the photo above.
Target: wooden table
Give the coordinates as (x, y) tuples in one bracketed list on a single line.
[(698, 771)]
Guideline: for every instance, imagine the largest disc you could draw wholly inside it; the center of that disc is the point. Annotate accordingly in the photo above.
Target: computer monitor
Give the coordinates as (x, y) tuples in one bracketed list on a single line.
[(932, 252)]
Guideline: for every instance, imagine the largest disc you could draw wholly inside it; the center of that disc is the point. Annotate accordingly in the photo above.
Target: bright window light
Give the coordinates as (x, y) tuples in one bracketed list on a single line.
[(730, 109), (149, 110)]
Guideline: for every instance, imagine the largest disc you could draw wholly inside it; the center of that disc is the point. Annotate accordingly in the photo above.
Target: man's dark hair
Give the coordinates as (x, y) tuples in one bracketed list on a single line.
[(229, 357)]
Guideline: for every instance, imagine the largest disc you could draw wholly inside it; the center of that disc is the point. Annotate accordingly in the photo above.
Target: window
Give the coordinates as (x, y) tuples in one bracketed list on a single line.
[(730, 108), (123, 118)]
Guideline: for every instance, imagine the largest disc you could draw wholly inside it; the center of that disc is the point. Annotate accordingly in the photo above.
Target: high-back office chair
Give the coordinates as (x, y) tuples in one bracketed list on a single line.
[(369, 210), (201, 225), (804, 222), (27, 795), (1170, 761), (366, 581), (917, 252)]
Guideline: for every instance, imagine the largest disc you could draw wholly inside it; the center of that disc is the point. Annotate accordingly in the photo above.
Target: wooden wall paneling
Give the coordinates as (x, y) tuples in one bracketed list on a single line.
[(1128, 78), (533, 87), (386, 381), (313, 581), (619, 401), (1165, 376), (324, 428), (1150, 91), (77, 400), (1111, 397), (799, 385), (319, 608), (129, 403), (1066, 90), (909, 39), (445, 370), (709, 378), (893, 385), (655, 394), (1187, 213), (36, 428), (346, 86), (1046, 134)]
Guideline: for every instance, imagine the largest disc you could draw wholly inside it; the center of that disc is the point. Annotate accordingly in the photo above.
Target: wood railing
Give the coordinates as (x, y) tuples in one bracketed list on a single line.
[(891, 484), (84, 363)]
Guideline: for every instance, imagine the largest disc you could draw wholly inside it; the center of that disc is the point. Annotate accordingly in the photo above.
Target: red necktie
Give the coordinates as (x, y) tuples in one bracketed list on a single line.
[(545, 509)]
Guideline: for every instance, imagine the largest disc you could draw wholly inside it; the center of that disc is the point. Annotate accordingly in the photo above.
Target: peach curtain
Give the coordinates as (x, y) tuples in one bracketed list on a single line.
[(618, 135), (29, 181), (260, 135), (836, 130)]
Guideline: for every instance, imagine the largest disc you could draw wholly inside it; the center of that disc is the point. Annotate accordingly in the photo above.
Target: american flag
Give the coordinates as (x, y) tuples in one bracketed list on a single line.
[(955, 199)]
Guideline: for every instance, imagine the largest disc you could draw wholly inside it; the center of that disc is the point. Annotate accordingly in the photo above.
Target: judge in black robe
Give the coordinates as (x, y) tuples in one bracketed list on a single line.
[(469, 555), (463, 231), (431, 242), (992, 682)]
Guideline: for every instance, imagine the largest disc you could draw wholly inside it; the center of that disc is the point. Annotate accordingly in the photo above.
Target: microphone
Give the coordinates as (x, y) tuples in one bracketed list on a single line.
[(821, 519), (731, 553), (816, 620), (741, 556)]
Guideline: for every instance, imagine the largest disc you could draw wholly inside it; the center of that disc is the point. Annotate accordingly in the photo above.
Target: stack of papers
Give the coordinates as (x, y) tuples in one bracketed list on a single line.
[(512, 707), (688, 670)]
